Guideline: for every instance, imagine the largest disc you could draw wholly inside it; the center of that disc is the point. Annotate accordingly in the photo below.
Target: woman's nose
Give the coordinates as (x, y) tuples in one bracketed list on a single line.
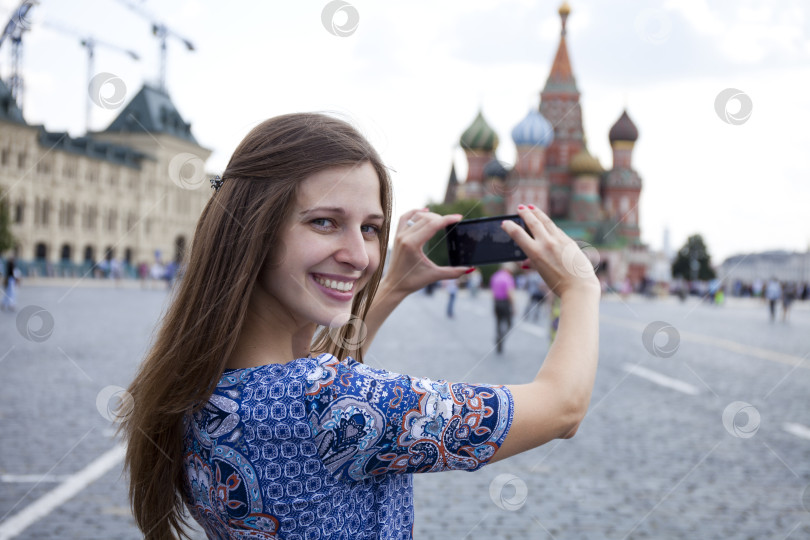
[(354, 250)]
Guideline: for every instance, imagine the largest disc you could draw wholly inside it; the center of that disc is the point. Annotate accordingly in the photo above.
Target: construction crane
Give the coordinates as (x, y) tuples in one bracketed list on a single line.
[(162, 32), (89, 43), (16, 26)]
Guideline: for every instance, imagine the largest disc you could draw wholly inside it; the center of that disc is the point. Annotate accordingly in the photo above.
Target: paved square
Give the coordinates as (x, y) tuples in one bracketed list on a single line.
[(698, 427)]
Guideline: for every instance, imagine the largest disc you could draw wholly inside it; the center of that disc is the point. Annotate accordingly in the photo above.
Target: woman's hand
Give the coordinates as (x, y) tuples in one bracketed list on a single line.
[(410, 269), (560, 261)]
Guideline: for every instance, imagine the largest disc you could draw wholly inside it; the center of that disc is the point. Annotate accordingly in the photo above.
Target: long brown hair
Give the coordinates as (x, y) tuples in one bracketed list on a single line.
[(236, 232)]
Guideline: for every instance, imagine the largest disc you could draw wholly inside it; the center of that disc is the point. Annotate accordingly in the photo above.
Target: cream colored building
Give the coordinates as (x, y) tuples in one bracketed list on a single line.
[(132, 192)]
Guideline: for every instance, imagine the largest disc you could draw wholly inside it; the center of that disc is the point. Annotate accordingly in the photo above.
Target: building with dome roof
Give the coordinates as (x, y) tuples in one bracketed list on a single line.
[(555, 171)]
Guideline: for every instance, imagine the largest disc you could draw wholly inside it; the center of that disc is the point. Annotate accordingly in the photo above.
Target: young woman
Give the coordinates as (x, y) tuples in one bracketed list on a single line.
[(253, 408)]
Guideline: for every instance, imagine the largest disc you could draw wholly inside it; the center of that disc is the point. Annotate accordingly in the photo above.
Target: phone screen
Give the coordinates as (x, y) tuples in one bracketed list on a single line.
[(482, 241)]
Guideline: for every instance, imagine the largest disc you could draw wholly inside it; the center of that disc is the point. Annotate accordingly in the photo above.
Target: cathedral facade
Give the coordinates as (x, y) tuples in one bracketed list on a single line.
[(554, 171)]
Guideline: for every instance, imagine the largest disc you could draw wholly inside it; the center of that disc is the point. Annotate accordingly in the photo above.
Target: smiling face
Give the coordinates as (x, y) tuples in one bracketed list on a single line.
[(329, 249)]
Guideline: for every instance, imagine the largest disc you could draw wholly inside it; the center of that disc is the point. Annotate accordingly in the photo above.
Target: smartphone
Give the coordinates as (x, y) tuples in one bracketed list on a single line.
[(482, 241)]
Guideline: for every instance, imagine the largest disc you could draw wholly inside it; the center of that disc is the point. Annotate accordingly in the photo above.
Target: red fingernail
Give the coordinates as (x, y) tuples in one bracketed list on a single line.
[(526, 266), (469, 270), (521, 207), (531, 207)]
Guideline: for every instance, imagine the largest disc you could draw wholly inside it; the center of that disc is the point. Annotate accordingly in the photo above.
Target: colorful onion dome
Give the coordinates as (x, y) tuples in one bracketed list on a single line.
[(534, 130), (624, 129), (495, 169), (479, 136), (584, 163)]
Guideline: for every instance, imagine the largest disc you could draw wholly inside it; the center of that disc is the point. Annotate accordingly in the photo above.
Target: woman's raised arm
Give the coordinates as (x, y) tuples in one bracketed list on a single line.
[(555, 402)]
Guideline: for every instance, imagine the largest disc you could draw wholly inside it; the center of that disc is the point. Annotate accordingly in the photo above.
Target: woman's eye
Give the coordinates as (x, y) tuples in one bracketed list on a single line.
[(371, 230), (322, 223)]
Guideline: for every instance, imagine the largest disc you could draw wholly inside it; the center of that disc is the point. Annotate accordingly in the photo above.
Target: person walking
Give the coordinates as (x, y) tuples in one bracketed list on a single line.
[(773, 293), (502, 285), (10, 280), (474, 282), (253, 408), (537, 294), (451, 287), (788, 296)]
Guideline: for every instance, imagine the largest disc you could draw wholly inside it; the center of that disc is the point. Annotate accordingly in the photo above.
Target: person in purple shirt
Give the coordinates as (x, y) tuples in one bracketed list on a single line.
[(502, 284)]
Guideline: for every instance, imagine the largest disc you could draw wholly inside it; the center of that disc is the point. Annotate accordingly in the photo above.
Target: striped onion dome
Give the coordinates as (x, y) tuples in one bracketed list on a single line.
[(479, 136)]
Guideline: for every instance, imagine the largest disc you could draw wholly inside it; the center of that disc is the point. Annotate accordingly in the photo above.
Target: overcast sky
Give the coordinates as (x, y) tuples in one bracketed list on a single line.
[(412, 76)]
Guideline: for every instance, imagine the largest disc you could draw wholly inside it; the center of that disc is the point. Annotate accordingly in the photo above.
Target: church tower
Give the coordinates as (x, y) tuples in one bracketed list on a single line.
[(529, 183), (586, 203), (450, 193), (559, 103), (479, 142), (621, 186)]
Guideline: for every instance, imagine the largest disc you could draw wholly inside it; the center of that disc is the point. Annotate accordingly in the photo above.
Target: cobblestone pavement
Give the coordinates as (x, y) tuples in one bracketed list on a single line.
[(698, 426)]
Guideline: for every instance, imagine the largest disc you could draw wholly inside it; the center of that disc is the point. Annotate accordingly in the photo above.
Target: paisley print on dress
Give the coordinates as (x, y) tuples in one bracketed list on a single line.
[(320, 448)]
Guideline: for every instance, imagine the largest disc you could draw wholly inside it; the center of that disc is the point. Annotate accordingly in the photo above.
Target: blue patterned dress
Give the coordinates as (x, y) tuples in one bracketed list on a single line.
[(322, 449)]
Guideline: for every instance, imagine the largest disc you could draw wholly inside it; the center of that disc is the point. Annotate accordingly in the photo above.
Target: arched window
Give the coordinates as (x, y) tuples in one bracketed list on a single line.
[(89, 254), (41, 251), (65, 254)]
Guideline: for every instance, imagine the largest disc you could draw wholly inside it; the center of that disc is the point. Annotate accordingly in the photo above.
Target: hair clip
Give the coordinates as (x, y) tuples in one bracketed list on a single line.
[(216, 183)]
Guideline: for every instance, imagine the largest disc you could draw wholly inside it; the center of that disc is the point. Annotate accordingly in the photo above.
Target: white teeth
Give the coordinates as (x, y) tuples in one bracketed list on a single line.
[(342, 286)]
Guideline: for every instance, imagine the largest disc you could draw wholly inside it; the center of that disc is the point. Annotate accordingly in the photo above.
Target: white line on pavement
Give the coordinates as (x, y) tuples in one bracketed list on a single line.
[(797, 429), (729, 345), (663, 380), (62, 493), (31, 478)]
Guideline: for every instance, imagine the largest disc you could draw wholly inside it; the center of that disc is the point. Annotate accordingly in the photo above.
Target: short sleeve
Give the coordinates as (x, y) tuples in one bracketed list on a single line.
[(368, 422)]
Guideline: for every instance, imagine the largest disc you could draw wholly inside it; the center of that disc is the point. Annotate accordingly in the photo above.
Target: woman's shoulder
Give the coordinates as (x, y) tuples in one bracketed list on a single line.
[(303, 378), (309, 368), (267, 372)]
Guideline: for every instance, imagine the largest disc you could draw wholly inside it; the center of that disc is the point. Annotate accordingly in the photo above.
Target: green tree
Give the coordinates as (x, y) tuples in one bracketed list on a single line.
[(436, 247), (7, 240), (693, 260)]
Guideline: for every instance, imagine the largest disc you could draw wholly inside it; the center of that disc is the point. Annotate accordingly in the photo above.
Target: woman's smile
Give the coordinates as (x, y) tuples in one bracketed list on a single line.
[(337, 287)]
